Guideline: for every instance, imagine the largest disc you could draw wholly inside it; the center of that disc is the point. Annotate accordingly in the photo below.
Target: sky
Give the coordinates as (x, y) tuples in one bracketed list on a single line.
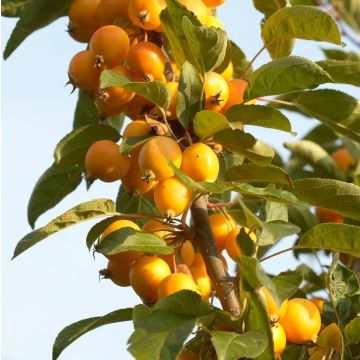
[(56, 282)]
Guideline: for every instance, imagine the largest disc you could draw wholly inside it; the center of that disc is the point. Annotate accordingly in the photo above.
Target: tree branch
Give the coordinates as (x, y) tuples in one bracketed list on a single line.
[(224, 285)]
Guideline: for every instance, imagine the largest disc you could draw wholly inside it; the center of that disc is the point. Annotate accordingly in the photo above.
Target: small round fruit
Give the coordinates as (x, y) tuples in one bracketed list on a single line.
[(174, 283), (109, 10), (172, 197), (117, 272), (78, 33), (145, 276), (173, 87), (301, 322), (124, 256), (196, 6), (227, 74), (231, 245), (117, 95), (213, 3), (133, 182), (275, 312), (157, 228), (138, 107), (136, 128), (328, 216), (221, 224), (211, 20), (110, 44), (343, 159), (187, 252), (279, 339), (187, 354), (146, 14), (236, 93), (83, 13), (146, 60), (155, 156), (105, 109), (202, 281), (82, 71), (318, 302), (199, 262), (216, 91), (103, 161), (200, 163)]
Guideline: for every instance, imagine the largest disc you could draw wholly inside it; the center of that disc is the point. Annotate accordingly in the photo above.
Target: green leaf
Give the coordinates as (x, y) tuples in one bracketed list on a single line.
[(129, 203), (132, 142), (154, 91), (240, 62), (258, 115), (321, 134), (171, 20), (86, 112), (246, 145), (72, 332), (35, 16), (273, 231), (163, 330), (300, 22), (232, 346), (302, 217), (190, 95), (352, 331), (331, 338), (65, 175), (284, 75), (207, 123), (258, 319), (13, 8), (128, 238), (287, 283), (313, 154), (336, 54), (342, 197), (249, 173), (268, 7), (334, 237), (73, 147), (82, 212), (342, 71), (344, 289), (268, 193), (207, 44)]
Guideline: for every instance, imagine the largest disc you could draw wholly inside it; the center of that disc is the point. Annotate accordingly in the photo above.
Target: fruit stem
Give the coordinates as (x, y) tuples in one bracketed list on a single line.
[(224, 285)]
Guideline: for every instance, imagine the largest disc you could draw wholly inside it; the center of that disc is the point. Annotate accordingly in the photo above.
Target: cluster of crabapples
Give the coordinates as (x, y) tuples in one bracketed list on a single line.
[(134, 49)]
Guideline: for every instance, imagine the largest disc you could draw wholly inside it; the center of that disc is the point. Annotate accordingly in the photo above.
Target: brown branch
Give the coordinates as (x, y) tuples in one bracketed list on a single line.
[(224, 284)]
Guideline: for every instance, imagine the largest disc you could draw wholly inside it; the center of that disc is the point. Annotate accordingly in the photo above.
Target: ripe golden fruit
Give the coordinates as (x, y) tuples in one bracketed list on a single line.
[(343, 159), (110, 44), (301, 322), (279, 339), (216, 91), (221, 224), (146, 14), (82, 71), (328, 216), (174, 283), (157, 228), (211, 20), (145, 276), (200, 163), (213, 3), (146, 60), (227, 74), (237, 88), (275, 312), (136, 128), (231, 244), (202, 281), (187, 354), (155, 156), (117, 272), (109, 10), (187, 252), (83, 13), (138, 107), (105, 109), (103, 161), (172, 197), (173, 87), (318, 302), (196, 6)]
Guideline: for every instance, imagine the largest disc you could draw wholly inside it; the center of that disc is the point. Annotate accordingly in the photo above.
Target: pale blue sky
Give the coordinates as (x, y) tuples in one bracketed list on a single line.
[(56, 282)]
